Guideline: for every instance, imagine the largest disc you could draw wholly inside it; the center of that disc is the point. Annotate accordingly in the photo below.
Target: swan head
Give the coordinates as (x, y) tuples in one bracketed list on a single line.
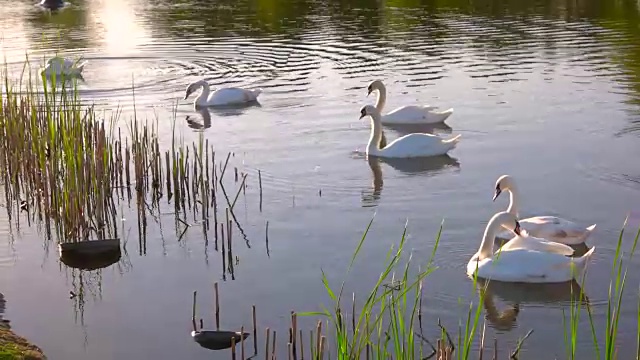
[(374, 85), (508, 221), (504, 182), (369, 110), (193, 87)]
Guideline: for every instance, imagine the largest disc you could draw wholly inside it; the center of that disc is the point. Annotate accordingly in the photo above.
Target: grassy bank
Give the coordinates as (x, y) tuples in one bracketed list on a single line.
[(15, 347)]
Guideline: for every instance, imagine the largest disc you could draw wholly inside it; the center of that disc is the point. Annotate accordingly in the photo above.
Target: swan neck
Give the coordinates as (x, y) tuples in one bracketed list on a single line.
[(486, 247), (204, 94), (513, 201), (376, 134), (381, 98)]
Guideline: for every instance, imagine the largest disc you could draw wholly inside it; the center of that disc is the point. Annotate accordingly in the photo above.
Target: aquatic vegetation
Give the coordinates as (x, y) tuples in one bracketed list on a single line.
[(390, 323), (72, 169)]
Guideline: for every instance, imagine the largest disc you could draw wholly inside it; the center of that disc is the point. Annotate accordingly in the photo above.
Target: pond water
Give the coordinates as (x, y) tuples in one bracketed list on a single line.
[(547, 91)]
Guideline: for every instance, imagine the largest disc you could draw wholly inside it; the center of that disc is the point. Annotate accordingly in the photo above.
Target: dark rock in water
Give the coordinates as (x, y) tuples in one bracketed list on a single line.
[(52, 4), (217, 340), (90, 255)]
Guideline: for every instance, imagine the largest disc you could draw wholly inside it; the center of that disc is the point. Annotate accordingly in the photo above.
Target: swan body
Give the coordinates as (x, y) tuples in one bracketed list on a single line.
[(549, 227), (410, 114), (408, 146), (521, 263), (62, 66), (221, 97)]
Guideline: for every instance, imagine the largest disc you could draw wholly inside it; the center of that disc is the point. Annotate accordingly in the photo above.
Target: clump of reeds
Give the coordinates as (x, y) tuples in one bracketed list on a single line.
[(56, 158), (389, 324), (70, 169)]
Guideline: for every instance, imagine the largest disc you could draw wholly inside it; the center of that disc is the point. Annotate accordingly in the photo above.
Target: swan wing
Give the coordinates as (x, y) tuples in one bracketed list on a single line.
[(416, 145), (556, 226), (231, 95), (416, 114), (536, 244)]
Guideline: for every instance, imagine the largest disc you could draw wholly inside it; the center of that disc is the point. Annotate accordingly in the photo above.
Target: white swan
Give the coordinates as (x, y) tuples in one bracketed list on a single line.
[(61, 66), (221, 97), (411, 145), (523, 264), (549, 227), (410, 114)]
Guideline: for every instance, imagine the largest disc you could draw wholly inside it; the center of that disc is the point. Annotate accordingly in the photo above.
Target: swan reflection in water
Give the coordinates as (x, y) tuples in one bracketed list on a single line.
[(565, 293), (430, 166), (206, 119)]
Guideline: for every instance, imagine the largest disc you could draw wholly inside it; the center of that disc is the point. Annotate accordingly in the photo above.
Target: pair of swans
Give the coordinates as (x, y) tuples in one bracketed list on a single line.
[(524, 258), (548, 227), (227, 96), (411, 145), (59, 66)]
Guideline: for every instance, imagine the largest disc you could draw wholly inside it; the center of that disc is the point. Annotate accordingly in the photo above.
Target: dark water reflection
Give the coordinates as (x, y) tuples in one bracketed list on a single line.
[(547, 91)]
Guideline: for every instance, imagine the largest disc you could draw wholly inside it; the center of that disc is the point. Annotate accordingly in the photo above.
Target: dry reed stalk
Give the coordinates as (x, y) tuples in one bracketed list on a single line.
[(260, 183), (273, 346), (481, 349), (266, 236), (318, 336), (255, 334), (301, 347), (233, 348), (294, 333), (266, 346), (215, 287), (323, 340), (242, 342), (193, 311)]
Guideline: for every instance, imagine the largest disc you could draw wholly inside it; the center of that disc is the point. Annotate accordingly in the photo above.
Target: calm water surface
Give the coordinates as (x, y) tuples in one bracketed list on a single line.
[(546, 91)]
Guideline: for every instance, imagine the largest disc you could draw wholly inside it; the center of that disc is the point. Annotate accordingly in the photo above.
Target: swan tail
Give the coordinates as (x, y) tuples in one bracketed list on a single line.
[(454, 140), (581, 262), (440, 116), (587, 233), (585, 258), (447, 112), (256, 92)]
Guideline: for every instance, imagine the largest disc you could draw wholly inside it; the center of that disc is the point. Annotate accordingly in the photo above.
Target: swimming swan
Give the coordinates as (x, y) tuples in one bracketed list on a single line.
[(411, 145), (221, 97), (61, 66), (521, 264), (410, 114), (549, 227)]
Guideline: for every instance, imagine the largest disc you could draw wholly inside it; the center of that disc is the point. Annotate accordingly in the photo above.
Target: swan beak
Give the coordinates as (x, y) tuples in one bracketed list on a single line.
[(368, 92), (498, 192), (517, 229)]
